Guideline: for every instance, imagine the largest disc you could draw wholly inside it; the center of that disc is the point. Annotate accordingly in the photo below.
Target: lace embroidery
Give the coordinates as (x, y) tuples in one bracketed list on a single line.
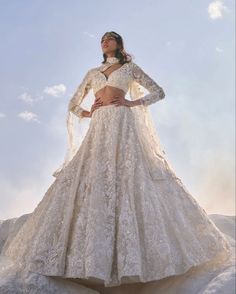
[(105, 217), (120, 78), (107, 76), (82, 90), (156, 92)]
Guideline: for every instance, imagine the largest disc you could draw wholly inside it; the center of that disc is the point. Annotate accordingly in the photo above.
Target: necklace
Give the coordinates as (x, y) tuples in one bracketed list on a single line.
[(112, 60), (109, 62)]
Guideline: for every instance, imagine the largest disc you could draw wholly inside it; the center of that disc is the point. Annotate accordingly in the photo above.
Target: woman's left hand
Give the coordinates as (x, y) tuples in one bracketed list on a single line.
[(120, 100)]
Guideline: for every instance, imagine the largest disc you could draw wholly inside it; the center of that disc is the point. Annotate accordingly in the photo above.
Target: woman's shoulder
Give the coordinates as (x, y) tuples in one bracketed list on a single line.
[(91, 70), (89, 73), (134, 65), (95, 69)]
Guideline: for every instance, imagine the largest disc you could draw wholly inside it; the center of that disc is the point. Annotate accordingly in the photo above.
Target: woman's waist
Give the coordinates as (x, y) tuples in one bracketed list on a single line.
[(106, 101), (111, 108), (107, 97)]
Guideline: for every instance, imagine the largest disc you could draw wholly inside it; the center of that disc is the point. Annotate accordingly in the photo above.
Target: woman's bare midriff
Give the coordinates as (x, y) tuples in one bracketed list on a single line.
[(108, 93)]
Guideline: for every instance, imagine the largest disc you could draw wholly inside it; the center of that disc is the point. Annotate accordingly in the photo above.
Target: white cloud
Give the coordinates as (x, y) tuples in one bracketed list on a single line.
[(29, 99), (56, 90), (28, 116), (26, 98), (89, 34), (216, 9), (2, 115)]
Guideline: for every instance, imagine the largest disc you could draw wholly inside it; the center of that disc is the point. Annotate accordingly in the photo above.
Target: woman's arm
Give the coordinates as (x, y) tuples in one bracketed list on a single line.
[(156, 92), (79, 95)]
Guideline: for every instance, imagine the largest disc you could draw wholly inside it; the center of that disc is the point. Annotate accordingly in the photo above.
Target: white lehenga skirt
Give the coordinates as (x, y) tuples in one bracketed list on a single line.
[(105, 218)]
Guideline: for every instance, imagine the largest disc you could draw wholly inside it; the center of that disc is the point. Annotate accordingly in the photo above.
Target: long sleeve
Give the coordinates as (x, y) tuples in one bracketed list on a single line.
[(156, 93), (79, 95)]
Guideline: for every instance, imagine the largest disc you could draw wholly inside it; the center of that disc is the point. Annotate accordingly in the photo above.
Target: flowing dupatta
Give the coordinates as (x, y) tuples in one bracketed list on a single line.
[(72, 123), (150, 143), (153, 152)]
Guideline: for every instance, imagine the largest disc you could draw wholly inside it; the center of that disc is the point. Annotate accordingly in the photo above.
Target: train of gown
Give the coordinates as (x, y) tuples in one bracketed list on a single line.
[(105, 218)]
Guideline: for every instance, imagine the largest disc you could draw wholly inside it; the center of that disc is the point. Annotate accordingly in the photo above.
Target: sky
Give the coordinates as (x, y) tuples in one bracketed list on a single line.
[(187, 47)]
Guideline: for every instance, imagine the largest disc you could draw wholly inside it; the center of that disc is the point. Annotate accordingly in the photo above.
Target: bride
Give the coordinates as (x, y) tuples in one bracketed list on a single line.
[(116, 212)]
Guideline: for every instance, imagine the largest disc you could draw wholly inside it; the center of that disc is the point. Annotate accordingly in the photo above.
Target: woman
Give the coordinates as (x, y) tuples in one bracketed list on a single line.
[(116, 213)]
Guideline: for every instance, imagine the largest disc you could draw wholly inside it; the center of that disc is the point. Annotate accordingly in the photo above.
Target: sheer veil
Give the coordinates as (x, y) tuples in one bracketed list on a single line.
[(72, 123), (146, 132), (153, 152)]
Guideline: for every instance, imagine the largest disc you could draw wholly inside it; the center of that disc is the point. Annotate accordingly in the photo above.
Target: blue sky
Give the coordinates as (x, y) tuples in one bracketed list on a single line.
[(186, 46)]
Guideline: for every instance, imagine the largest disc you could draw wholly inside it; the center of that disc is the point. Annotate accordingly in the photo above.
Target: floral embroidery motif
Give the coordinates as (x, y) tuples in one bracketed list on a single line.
[(156, 92)]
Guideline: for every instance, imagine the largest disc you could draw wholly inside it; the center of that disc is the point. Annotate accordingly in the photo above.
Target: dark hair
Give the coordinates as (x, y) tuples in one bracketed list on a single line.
[(120, 53)]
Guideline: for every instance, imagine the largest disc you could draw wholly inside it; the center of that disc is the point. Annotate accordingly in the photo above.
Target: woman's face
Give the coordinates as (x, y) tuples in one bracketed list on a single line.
[(108, 44)]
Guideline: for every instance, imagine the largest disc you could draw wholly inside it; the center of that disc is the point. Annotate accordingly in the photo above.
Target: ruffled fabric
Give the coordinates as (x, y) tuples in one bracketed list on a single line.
[(106, 217)]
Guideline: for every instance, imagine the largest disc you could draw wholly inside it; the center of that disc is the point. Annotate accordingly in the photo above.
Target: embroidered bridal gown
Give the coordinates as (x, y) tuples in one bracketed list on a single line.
[(116, 212)]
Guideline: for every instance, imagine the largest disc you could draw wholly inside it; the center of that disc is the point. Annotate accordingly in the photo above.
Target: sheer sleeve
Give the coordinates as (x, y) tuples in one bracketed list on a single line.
[(155, 91), (80, 93)]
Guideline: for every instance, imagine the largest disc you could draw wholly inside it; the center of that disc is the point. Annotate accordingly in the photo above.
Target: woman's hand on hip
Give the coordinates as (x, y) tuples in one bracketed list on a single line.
[(120, 100), (96, 105)]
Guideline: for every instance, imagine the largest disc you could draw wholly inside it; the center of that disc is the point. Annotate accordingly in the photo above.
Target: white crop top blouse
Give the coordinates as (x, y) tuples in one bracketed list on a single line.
[(120, 78)]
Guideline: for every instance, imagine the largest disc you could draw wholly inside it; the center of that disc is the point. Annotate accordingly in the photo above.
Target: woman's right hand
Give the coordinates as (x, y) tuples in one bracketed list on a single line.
[(85, 113), (98, 103)]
